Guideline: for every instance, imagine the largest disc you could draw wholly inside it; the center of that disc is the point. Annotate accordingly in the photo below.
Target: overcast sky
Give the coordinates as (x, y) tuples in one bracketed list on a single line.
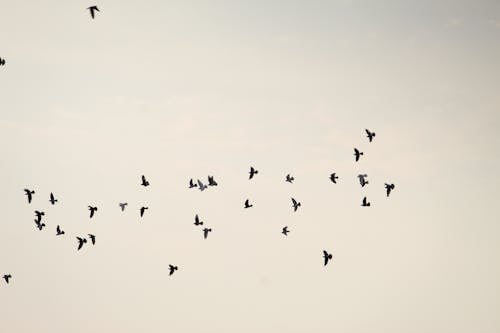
[(182, 89)]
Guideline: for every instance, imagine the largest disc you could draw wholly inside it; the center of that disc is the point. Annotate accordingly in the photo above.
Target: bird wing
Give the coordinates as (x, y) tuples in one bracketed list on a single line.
[(196, 219), (368, 132), (200, 183), (294, 202), (58, 229)]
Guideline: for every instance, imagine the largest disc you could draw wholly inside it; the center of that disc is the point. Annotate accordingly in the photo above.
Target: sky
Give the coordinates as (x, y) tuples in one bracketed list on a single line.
[(184, 89)]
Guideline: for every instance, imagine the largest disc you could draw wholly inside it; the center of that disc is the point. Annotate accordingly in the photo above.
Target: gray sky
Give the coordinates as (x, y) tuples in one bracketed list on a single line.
[(181, 89)]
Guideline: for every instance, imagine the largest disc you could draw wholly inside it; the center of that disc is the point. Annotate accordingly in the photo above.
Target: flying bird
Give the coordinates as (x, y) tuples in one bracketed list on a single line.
[(211, 181), (370, 135), (327, 256), (39, 216), (143, 209), (192, 184), (122, 205), (92, 238), (92, 210), (92, 10), (39, 225), (362, 180), (197, 220), (81, 241), (172, 269), (7, 277), (389, 188), (144, 181), (365, 203), (59, 231), (252, 172), (2, 62), (357, 153), (333, 178), (206, 231), (285, 231), (52, 199), (289, 178), (296, 204), (247, 204), (201, 186), (29, 194)]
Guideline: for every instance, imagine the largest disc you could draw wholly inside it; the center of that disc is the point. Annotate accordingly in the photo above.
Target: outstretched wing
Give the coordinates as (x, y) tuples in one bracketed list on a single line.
[(294, 202)]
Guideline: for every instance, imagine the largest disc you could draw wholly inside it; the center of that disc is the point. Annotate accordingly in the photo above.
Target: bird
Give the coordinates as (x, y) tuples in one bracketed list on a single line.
[(370, 135), (59, 231), (285, 231), (39, 216), (92, 238), (389, 188), (143, 209), (172, 269), (93, 9), (327, 256), (247, 204), (2, 62), (362, 179), (122, 205), (197, 220), (144, 181), (39, 225), (357, 153), (29, 194), (201, 186), (192, 184), (92, 210), (365, 203), (289, 178), (206, 231), (296, 204), (81, 241), (7, 277), (52, 199), (333, 178), (252, 172), (211, 181)]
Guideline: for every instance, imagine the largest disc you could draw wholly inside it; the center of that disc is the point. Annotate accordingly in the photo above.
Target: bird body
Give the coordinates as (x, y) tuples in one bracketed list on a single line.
[(357, 154), (59, 231), (39, 225), (370, 135), (144, 181), (201, 186), (29, 194), (39, 216), (192, 184), (92, 210), (327, 257), (197, 220), (289, 178), (52, 199), (389, 188), (2, 62), (7, 277), (247, 204), (172, 269), (81, 241), (122, 205), (365, 203), (285, 231), (92, 238), (295, 204), (252, 172), (211, 181), (206, 231), (143, 209), (333, 178), (362, 179), (92, 10)]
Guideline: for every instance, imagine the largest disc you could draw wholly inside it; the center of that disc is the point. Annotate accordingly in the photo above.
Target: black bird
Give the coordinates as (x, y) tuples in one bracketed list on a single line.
[(365, 203), (247, 204), (285, 231), (296, 204), (29, 194), (370, 135), (357, 153), (7, 277), (172, 269), (2, 62), (333, 178), (52, 199), (327, 256), (92, 238), (59, 231), (122, 205), (39, 216), (92, 210), (206, 231), (252, 172), (201, 186), (81, 241), (93, 9), (197, 220), (362, 180), (39, 225), (144, 181), (289, 178), (389, 188), (143, 209), (211, 181), (192, 184)]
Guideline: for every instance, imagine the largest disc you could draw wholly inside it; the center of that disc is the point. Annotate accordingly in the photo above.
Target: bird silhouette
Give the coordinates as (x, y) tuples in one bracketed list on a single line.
[(192, 184), (197, 220), (333, 178), (52, 199), (59, 231), (247, 204), (39, 225), (143, 209), (92, 210), (92, 238), (205, 232), (201, 186), (39, 216), (252, 172), (365, 203), (81, 241), (172, 269), (7, 277), (296, 204), (2, 62), (285, 231), (327, 256), (144, 181), (370, 135), (289, 178), (389, 188), (357, 154), (29, 194), (362, 180), (122, 205), (92, 10), (211, 181)]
